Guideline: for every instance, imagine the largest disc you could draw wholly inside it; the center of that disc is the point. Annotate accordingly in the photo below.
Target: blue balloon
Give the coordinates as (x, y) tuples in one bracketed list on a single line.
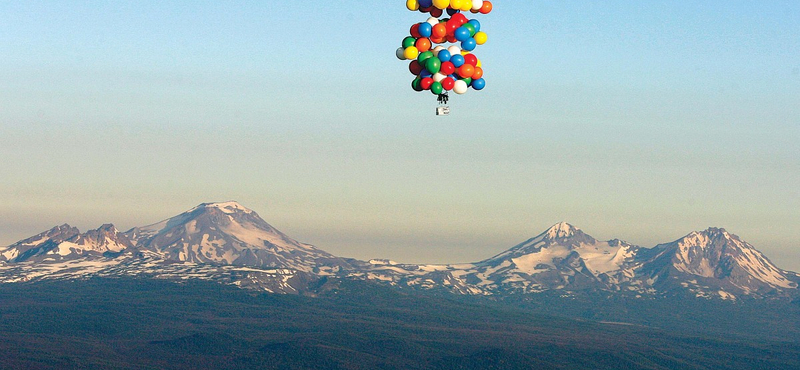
[(425, 3), (476, 24), (425, 73), (444, 55), (461, 34), (425, 29), (478, 84), (457, 60), (469, 44)]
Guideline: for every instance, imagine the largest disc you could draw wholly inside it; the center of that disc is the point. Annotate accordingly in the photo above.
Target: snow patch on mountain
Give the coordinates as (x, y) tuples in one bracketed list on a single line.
[(760, 268), (8, 253)]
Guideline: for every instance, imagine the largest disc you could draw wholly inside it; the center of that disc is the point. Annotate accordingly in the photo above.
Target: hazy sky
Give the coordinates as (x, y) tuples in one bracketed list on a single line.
[(635, 120)]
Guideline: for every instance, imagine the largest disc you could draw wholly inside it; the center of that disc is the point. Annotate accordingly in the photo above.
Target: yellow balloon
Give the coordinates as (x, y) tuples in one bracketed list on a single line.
[(466, 6), (480, 38), (441, 4), (478, 64), (456, 4), (412, 5), (411, 52)]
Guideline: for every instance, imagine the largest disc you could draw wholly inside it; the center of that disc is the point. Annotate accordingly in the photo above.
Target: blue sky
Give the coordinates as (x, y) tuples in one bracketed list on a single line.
[(635, 120)]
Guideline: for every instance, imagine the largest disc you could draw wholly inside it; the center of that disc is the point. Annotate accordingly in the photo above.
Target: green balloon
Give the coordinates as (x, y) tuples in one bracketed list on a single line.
[(409, 41), (423, 57), (433, 65), (467, 80), (437, 88), (471, 29), (416, 84)]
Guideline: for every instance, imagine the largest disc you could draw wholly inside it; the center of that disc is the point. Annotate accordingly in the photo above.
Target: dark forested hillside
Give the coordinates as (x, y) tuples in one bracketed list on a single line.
[(142, 324)]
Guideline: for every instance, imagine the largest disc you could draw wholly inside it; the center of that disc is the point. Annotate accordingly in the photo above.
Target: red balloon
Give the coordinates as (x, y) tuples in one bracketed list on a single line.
[(426, 83), (447, 68), (415, 31), (470, 59), (436, 12), (451, 39), (460, 18), (414, 67), (452, 25), (448, 83), (426, 9)]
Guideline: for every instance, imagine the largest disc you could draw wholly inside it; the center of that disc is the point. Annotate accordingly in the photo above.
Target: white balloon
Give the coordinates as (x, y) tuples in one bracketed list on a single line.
[(438, 77), (433, 21), (401, 53), (453, 49), (460, 87), (477, 4)]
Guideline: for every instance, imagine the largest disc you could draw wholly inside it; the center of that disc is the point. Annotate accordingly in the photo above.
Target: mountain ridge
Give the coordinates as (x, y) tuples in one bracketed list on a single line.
[(230, 243)]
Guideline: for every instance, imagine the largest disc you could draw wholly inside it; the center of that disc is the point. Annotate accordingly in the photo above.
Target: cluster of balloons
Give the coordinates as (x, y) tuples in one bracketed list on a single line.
[(440, 50)]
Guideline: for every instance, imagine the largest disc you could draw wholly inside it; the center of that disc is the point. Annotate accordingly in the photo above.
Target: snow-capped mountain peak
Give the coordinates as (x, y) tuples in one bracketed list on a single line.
[(106, 238), (709, 236), (561, 256), (565, 234), (561, 235), (716, 254), (226, 207), (561, 230), (226, 233), (63, 241)]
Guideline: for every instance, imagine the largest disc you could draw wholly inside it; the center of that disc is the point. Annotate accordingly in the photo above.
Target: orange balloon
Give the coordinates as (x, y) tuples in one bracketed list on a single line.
[(438, 40), (478, 73), (486, 8), (439, 31), (423, 44), (466, 70)]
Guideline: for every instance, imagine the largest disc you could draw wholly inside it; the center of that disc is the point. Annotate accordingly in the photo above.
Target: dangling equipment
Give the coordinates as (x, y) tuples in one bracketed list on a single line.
[(442, 109)]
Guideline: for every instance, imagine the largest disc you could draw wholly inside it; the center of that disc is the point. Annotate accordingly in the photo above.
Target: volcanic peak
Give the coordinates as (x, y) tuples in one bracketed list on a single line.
[(226, 207), (561, 230)]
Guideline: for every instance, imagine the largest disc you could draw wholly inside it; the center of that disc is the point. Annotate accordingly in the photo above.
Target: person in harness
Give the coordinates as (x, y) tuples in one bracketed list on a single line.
[(442, 98)]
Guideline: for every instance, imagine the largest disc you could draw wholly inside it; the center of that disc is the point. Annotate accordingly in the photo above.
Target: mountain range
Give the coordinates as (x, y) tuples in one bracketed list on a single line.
[(229, 243)]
